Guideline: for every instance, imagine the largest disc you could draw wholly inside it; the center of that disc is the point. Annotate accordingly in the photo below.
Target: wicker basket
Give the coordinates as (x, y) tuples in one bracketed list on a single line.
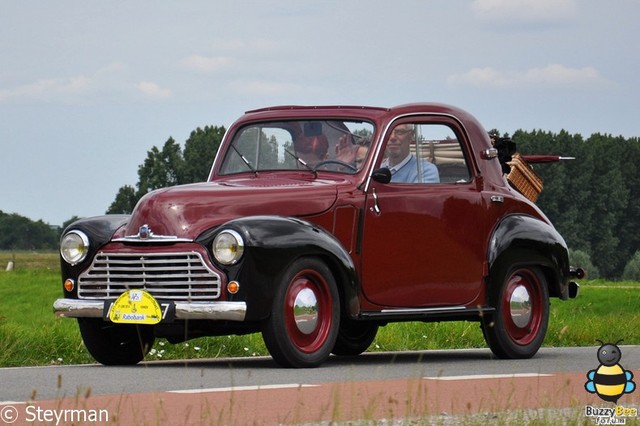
[(523, 178)]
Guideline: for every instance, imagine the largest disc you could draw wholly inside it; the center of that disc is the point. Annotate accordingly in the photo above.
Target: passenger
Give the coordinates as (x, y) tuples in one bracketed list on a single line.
[(361, 152), (403, 164), (352, 153), (311, 149)]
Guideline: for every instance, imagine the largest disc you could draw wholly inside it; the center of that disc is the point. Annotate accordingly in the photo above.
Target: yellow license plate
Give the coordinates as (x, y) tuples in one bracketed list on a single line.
[(135, 307)]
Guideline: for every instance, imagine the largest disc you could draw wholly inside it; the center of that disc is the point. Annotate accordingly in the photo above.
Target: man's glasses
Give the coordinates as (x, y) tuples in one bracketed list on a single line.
[(400, 132)]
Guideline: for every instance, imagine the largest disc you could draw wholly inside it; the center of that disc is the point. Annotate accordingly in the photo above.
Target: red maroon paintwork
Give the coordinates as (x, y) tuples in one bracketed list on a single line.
[(431, 243), (370, 252)]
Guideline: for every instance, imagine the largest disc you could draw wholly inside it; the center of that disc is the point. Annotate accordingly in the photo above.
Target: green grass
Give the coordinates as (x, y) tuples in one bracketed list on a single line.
[(32, 260), (31, 335)]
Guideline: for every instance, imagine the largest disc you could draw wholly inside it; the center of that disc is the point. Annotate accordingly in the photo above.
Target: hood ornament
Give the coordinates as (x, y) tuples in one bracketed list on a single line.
[(144, 232)]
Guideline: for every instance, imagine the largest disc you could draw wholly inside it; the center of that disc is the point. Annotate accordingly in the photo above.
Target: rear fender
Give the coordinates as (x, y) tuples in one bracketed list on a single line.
[(520, 239)]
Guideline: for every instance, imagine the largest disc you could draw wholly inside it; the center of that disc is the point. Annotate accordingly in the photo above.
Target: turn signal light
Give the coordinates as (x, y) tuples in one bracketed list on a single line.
[(69, 285), (233, 287)]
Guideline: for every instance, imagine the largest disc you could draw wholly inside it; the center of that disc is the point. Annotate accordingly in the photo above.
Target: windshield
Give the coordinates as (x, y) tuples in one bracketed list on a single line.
[(331, 145)]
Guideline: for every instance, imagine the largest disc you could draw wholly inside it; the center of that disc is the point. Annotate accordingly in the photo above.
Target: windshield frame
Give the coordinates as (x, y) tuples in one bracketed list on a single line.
[(315, 144)]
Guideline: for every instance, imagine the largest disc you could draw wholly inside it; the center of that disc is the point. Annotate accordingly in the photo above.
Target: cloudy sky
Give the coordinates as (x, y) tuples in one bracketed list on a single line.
[(88, 87)]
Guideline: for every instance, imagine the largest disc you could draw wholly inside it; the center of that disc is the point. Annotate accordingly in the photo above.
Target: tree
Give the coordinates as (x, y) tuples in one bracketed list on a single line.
[(632, 270), (20, 233), (169, 166), (609, 199), (581, 259), (199, 151), (161, 168), (125, 201), (593, 201)]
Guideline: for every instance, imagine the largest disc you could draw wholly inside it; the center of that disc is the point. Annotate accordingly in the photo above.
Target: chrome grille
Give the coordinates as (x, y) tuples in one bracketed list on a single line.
[(176, 276)]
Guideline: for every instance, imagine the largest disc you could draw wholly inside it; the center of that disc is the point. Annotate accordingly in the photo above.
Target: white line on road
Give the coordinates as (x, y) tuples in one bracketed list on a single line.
[(489, 376), (243, 388)]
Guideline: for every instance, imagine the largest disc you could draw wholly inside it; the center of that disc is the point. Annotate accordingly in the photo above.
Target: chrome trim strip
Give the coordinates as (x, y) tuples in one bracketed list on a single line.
[(74, 308), (153, 239), (229, 311), (422, 310)]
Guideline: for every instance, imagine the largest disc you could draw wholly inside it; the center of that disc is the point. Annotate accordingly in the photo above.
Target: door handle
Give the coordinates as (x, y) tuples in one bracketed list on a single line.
[(376, 207)]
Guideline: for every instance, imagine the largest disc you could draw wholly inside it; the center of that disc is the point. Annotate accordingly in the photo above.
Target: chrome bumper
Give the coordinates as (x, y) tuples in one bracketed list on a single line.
[(229, 311)]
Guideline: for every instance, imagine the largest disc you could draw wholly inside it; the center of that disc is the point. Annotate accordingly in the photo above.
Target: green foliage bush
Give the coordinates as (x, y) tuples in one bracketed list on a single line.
[(581, 259), (632, 270)]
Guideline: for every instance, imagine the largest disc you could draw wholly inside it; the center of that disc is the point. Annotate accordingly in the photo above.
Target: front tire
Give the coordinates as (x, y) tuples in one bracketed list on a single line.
[(517, 328), (303, 325), (116, 344)]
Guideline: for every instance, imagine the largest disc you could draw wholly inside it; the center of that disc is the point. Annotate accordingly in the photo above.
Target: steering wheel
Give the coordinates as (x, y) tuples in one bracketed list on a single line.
[(338, 162)]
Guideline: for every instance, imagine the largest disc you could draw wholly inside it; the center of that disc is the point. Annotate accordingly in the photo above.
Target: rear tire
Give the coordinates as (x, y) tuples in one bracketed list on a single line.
[(520, 296), (305, 317), (116, 344), (354, 337)]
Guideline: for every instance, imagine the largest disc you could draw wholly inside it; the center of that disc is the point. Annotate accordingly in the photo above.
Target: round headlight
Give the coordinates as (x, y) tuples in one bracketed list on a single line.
[(74, 247), (227, 247)]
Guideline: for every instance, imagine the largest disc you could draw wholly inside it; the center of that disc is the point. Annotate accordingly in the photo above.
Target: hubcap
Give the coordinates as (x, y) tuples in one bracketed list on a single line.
[(520, 306), (305, 311)]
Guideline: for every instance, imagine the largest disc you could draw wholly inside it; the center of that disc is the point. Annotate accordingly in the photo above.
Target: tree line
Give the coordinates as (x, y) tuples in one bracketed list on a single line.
[(593, 201)]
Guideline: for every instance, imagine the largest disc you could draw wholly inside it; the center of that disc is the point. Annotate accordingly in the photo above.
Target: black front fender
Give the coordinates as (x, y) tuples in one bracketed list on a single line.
[(524, 239), (271, 244), (99, 229)]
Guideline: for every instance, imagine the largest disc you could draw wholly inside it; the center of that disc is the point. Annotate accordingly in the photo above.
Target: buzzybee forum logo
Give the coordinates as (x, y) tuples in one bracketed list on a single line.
[(610, 381)]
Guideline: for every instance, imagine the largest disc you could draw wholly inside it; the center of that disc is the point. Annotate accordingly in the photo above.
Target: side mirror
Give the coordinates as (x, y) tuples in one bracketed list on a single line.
[(381, 175)]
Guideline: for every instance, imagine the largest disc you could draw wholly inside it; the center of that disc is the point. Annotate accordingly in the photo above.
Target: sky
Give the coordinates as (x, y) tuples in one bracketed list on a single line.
[(88, 87)]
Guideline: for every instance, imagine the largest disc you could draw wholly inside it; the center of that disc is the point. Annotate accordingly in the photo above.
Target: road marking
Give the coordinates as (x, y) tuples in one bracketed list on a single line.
[(489, 376), (244, 388)]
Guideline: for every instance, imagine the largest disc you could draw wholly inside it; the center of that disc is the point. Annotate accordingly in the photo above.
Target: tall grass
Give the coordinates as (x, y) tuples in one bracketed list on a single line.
[(31, 335)]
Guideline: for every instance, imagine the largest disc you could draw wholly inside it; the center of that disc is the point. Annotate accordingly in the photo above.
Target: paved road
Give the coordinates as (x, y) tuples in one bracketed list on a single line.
[(20, 384), (256, 391)]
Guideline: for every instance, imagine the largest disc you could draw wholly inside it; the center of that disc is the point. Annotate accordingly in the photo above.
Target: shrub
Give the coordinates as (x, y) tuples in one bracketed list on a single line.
[(632, 270), (581, 259)]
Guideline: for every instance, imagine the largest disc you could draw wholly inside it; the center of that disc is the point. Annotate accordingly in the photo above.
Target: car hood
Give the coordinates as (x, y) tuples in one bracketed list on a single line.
[(188, 210)]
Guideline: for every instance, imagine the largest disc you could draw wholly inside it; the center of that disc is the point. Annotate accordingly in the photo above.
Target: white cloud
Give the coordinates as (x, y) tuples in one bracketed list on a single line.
[(48, 90), (152, 90), (554, 75), (524, 10), (206, 64), (72, 90)]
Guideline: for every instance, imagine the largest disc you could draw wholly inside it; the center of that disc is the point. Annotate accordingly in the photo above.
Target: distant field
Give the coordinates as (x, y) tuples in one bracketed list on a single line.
[(31, 335), (32, 260)]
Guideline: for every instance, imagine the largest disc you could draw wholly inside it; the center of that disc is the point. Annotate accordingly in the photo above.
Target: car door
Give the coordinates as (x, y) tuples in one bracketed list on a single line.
[(424, 237)]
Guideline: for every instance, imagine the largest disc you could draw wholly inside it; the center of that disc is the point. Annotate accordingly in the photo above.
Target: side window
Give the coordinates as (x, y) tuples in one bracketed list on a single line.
[(439, 144), (425, 153)]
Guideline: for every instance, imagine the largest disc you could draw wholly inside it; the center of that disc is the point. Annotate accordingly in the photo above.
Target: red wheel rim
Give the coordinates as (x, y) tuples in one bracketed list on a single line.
[(308, 311), (522, 307)]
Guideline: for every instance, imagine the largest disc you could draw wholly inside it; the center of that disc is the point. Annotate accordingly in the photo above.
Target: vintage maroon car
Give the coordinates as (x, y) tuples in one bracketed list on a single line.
[(318, 225)]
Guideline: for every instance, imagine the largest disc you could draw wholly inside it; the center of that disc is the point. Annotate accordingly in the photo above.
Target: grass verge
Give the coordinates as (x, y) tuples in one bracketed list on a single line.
[(31, 335)]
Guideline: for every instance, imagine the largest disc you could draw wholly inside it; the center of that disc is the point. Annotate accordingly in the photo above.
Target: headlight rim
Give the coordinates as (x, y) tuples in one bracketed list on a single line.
[(84, 239), (237, 253)]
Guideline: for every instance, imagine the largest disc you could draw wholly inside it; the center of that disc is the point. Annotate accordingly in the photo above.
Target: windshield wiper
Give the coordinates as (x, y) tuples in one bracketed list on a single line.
[(244, 159), (301, 161)]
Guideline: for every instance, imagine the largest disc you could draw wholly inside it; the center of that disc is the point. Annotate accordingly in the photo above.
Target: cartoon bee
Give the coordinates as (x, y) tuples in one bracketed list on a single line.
[(609, 381)]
